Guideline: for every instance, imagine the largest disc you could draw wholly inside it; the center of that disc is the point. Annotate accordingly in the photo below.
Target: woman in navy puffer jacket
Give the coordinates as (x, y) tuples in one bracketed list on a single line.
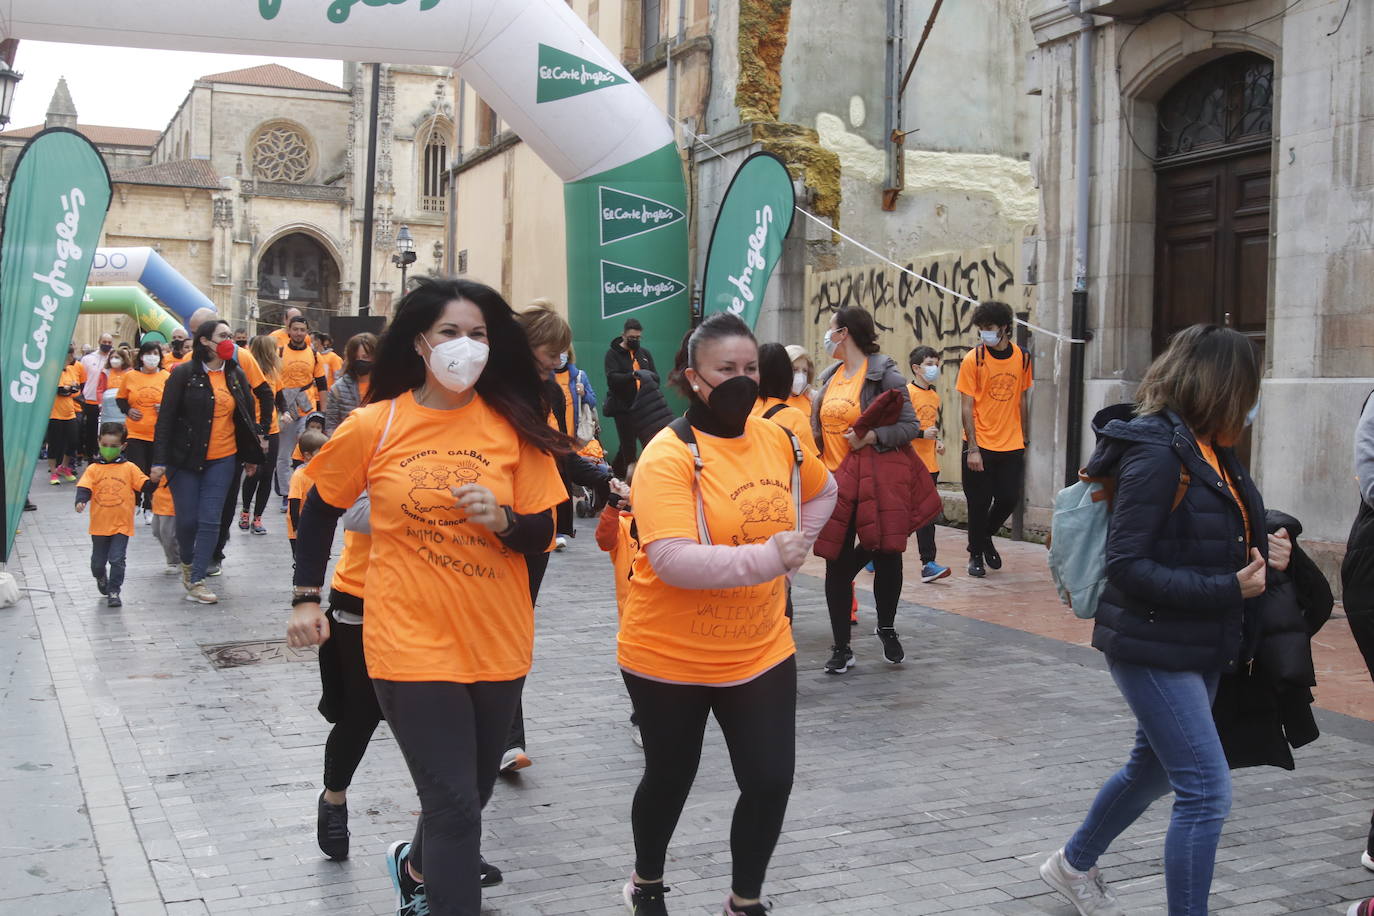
[(1186, 555)]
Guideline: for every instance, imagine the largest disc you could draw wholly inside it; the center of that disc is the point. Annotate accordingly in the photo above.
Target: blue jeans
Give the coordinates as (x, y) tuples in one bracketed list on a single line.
[(1176, 748), (108, 552), (199, 499)]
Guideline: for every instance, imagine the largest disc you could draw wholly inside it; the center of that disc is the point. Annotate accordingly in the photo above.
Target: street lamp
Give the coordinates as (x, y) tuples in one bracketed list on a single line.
[(405, 254), (8, 80), (284, 293)]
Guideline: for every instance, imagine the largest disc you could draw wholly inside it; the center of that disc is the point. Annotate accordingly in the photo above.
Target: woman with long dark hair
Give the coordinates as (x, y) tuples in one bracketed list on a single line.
[(845, 390), (723, 501), (258, 487), (775, 392), (1187, 551), (456, 453), (206, 429)]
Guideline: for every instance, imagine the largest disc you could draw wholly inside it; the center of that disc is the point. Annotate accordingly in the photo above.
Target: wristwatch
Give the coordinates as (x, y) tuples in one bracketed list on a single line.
[(510, 522)]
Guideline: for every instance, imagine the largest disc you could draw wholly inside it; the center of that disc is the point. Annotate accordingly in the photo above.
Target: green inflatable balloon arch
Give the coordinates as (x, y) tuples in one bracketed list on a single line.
[(535, 62), (134, 302)]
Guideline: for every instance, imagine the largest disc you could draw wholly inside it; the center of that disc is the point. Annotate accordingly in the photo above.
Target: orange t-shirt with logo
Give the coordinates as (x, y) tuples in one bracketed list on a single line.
[(114, 487), (162, 500), (802, 402), (143, 391), (789, 418), (712, 636), (223, 441), (170, 362), (64, 407), (840, 410), (298, 488), (252, 371), (996, 386), (446, 599), (926, 403), (301, 369), (333, 365), (350, 573)]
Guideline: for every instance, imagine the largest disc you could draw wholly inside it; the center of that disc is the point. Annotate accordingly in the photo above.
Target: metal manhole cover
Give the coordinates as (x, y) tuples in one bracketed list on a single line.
[(255, 652)]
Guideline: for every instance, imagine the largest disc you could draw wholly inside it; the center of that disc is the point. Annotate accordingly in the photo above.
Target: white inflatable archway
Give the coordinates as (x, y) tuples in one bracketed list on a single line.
[(537, 64)]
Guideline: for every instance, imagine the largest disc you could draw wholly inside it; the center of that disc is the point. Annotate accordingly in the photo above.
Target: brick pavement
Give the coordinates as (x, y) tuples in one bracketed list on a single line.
[(140, 779)]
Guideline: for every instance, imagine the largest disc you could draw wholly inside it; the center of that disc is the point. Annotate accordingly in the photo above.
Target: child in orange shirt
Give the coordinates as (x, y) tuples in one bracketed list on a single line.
[(616, 535), (310, 442), (114, 484), (165, 527), (925, 400)]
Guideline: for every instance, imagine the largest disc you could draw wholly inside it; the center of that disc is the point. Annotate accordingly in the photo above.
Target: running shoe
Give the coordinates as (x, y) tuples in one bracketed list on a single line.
[(54, 480), (198, 592), (992, 557), (331, 829), (932, 572), (560, 543), (975, 566), (102, 585), (841, 660), (113, 600), (147, 516), (29, 506), (214, 570), (514, 759), (892, 646), (243, 521), (491, 875), (869, 567), (1363, 907), (410, 894), (1084, 889), (1367, 860), (645, 899), (67, 474), (172, 569), (258, 526), (753, 909)]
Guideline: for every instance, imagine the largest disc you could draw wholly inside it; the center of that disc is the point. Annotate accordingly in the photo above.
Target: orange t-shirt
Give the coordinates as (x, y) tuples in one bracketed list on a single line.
[(926, 403), (364, 386), (712, 636), (170, 362), (789, 418), (839, 412), (223, 441), (802, 402), (333, 365), (162, 500), (114, 487), (350, 573), (64, 407), (299, 487), (275, 382), (282, 338), (300, 369), (1210, 455), (996, 386), (252, 371), (614, 535), (446, 600), (143, 391), (560, 379)]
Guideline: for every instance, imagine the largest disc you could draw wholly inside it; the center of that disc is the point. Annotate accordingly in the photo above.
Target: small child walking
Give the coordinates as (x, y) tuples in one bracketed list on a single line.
[(165, 527), (310, 442), (114, 484)]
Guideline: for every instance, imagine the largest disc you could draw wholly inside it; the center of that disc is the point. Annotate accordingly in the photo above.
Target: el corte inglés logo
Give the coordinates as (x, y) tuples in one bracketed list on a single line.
[(625, 215), (563, 75), (625, 289)]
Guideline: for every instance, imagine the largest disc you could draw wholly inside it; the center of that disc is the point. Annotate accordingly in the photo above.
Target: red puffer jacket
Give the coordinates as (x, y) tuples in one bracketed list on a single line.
[(889, 494)]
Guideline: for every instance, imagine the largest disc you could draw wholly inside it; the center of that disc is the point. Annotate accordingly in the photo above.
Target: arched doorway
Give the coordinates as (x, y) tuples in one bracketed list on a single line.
[(300, 265), (1213, 168)]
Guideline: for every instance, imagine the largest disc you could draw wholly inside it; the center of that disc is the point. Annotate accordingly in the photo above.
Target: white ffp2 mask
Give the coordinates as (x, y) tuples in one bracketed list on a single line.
[(798, 382), (458, 363)]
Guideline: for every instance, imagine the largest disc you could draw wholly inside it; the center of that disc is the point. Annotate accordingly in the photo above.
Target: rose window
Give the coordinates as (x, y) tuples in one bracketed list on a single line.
[(281, 154)]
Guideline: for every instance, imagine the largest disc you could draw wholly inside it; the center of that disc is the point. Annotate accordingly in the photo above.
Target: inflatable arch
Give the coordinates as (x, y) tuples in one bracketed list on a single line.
[(533, 61), (134, 302), (146, 266)]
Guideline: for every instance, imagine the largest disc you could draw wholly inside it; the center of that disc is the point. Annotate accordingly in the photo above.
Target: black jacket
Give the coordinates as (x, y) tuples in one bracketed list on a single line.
[(650, 411), (188, 408), (1172, 600), (620, 376), (1264, 709)]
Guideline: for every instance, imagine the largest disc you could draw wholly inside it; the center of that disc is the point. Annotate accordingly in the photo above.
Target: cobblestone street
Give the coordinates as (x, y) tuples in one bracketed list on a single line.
[(141, 778)]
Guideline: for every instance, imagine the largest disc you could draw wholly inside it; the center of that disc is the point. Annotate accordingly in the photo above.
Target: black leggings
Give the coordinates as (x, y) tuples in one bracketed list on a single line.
[(260, 484), (348, 701), (140, 452), (759, 722), (536, 565), (839, 585), (63, 439), (452, 736), (992, 494)]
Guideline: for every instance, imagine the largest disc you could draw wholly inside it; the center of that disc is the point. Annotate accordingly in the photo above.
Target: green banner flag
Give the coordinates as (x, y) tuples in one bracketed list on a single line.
[(56, 206), (746, 243), (563, 75)]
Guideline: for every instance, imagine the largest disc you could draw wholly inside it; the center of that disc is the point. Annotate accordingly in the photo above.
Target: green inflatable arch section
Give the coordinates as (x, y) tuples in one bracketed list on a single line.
[(134, 302)]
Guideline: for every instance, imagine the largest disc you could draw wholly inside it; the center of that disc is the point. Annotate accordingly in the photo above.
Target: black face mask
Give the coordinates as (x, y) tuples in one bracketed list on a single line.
[(632, 344), (362, 366), (727, 408), (106, 348), (178, 346)]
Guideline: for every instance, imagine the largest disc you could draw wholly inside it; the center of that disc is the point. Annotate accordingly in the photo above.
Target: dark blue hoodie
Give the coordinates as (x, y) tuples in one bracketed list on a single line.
[(1172, 600)]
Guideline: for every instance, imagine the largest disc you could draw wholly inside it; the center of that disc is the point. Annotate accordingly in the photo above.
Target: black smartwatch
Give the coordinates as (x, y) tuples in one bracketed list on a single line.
[(510, 522)]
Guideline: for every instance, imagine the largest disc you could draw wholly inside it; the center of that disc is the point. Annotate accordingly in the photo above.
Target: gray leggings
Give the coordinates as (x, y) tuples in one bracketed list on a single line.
[(452, 737)]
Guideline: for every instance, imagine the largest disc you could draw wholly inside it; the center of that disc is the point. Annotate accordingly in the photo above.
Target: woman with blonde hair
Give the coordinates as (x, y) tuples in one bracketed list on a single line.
[(803, 375), (1187, 552)]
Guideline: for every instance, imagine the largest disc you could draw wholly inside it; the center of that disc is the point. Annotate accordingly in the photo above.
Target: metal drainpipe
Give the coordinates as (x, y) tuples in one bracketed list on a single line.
[(890, 100), (369, 196), (1081, 234)]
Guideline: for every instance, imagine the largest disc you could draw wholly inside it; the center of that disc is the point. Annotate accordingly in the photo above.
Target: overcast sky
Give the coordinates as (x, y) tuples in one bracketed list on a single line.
[(127, 87)]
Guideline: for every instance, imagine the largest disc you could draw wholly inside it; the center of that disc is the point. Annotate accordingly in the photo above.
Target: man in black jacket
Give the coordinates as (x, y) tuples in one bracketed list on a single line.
[(627, 364)]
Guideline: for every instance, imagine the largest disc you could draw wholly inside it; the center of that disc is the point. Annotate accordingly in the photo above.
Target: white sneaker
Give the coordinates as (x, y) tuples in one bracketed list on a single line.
[(198, 592), (636, 737), (560, 543), (1085, 890), (1366, 860), (514, 759), (172, 569)]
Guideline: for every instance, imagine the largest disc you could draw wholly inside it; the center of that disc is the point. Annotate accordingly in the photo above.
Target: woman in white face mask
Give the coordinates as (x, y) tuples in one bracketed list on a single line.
[(801, 393), (455, 451), (139, 396)]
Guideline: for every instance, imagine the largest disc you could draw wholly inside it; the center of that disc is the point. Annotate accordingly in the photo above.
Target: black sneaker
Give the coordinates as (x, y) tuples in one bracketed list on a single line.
[(892, 646), (975, 566), (993, 558), (491, 875), (841, 660), (102, 585), (645, 899), (113, 601), (410, 894), (331, 829)]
